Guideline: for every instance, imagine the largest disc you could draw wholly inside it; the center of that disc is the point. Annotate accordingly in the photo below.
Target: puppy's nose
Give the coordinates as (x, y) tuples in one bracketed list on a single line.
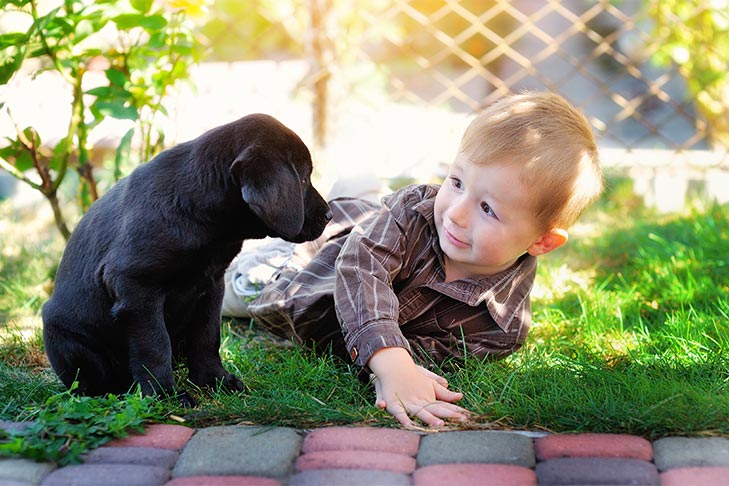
[(328, 215)]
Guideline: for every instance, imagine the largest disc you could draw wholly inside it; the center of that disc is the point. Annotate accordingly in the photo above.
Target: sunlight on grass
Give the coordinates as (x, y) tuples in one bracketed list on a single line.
[(31, 249), (560, 281), (630, 328)]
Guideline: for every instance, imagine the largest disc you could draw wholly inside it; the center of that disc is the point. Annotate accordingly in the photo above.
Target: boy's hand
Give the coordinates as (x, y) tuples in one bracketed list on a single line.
[(405, 390)]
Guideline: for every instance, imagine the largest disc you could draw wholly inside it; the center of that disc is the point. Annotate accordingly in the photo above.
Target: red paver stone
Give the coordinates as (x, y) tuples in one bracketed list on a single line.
[(474, 475), (695, 475), (161, 436), (223, 481), (379, 461), (593, 445), (362, 439)]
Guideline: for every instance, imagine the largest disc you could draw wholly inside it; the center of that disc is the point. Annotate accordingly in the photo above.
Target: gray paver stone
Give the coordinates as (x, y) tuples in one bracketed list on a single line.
[(240, 450), (108, 475), (12, 482), (673, 452), (471, 446), (14, 426), (24, 470), (141, 456), (596, 470), (350, 477)]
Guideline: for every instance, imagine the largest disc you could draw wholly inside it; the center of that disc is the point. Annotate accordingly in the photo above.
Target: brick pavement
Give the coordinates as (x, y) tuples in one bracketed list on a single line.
[(175, 455)]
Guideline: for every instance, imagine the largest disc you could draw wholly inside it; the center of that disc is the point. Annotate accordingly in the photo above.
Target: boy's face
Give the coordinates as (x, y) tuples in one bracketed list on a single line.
[(484, 218)]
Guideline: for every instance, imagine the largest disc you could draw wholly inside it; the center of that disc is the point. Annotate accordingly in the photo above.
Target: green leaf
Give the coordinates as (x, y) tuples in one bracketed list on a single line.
[(11, 39), (60, 152), (58, 28), (17, 3), (101, 91), (157, 40), (116, 77), (84, 197), (84, 28), (8, 150), (142, 6), (154, 22), (33, 136), (130, 21), (122, 152), (182, 49), (116, 110), (23, 161), (8, 69)]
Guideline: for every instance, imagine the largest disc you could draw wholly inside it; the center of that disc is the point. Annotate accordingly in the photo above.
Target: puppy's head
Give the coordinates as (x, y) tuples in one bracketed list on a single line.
[(274, 172)]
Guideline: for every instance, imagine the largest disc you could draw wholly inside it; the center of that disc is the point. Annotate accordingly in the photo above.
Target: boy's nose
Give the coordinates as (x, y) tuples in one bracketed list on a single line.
[(458, 212)]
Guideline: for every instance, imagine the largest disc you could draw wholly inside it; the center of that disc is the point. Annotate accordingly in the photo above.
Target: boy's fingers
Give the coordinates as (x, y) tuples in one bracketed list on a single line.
[(429, 418), (449, 411), (378, 393), (438, 379), (446, 395), (432, 414), (402, 416)]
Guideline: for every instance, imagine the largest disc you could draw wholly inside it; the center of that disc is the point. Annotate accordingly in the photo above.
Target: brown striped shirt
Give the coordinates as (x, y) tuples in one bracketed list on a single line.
[(375, 279)]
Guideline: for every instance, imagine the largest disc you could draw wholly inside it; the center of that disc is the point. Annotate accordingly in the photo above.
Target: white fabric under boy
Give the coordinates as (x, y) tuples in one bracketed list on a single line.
[(255, 266)]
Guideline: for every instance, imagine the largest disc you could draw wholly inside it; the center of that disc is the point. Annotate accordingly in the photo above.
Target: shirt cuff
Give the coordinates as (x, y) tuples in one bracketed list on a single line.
[(372, 338)]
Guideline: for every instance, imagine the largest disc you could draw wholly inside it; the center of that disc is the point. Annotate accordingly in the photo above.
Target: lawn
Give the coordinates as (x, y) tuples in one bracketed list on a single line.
[(631, 328)]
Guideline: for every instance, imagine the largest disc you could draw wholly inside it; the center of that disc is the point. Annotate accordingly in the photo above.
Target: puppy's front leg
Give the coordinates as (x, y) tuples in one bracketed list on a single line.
[(139, 310), (150, 354), (203, 343)]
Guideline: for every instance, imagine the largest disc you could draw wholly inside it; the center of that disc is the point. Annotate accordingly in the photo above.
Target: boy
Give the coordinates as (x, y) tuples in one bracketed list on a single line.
[(437, 271)]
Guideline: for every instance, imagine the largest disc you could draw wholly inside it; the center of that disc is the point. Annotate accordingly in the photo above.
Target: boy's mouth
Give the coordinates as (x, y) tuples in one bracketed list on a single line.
[(454, 240)]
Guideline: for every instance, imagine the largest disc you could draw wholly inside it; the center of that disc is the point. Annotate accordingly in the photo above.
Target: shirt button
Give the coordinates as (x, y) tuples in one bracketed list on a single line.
[(353, 353)]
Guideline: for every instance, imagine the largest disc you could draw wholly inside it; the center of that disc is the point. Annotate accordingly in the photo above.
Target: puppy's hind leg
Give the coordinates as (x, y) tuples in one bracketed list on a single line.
[(94, 372)]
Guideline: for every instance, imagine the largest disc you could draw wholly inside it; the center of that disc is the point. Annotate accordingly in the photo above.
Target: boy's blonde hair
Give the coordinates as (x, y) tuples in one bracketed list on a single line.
[(555, 144)]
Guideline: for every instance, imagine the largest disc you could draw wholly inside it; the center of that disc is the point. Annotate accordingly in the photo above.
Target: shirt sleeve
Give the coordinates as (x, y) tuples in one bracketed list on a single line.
[(371, 258)]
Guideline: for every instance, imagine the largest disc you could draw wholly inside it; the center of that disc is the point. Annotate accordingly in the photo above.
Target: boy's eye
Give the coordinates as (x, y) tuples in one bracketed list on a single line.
[(487, 209), (456, 182)]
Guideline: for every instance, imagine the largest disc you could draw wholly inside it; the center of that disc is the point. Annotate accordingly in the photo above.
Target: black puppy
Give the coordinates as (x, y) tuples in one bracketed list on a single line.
[(141, 279)]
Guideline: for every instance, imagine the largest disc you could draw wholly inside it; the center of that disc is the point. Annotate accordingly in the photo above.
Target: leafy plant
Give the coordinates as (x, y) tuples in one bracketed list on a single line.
[(695, 35), (69, 426), (143, 47)]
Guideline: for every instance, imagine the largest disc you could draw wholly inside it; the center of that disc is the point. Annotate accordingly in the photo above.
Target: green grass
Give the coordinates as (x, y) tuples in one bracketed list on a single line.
[(631, 324), (66, 426)]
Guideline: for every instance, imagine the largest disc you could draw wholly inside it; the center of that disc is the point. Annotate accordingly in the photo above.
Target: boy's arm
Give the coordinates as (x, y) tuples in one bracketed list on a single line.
[(405, 389), (370, 261), (368, 311)]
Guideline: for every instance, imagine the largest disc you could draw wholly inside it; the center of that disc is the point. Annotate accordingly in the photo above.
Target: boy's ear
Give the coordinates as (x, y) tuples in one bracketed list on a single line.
[(549, 241)]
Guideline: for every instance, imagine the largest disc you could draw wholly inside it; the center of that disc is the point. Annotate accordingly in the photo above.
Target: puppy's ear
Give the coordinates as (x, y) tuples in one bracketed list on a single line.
[(272, 189)]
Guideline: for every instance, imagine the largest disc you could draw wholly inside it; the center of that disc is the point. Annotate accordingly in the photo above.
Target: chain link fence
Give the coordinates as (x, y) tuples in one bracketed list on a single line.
[(391, 84), (461, 55), (388, 86)]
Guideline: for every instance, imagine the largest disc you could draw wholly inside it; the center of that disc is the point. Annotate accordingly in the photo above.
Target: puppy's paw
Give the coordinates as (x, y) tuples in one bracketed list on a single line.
[(232, 383), (187, 400)]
